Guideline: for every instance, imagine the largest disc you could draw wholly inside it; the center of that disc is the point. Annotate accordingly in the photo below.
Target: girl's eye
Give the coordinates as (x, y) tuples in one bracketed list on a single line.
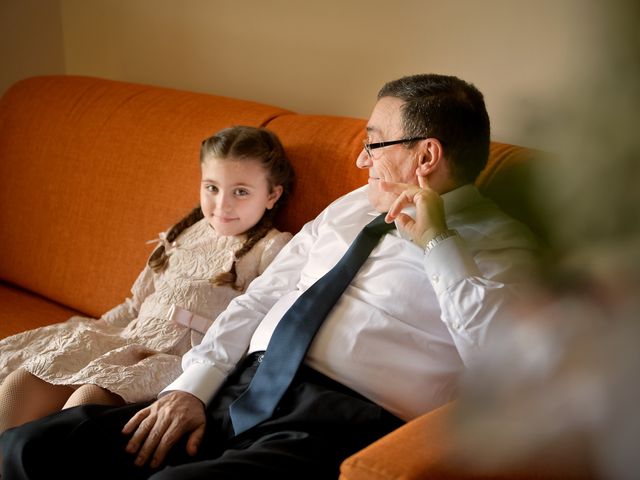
[(211, 188), (241, 192)]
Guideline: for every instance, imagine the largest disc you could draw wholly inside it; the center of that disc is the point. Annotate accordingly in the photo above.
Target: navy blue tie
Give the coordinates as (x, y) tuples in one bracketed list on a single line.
[(296, 329)]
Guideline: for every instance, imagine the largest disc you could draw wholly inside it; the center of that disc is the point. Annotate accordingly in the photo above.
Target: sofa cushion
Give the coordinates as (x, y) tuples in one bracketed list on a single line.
[(22, 310), (509, 180), (426, 448), (323, 151)]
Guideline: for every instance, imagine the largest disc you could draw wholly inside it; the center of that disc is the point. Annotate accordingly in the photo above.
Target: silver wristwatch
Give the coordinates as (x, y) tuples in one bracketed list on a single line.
[(439, 238)]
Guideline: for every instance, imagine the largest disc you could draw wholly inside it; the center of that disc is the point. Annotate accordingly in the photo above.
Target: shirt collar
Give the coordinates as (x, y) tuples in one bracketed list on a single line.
[(460, 198), (454, 201)]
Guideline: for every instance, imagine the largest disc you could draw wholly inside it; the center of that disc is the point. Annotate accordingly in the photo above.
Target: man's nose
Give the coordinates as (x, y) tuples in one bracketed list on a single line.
[(363, 160)]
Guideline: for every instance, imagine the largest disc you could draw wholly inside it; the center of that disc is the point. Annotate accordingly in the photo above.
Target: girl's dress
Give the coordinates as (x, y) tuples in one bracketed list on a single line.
[(134, 349)]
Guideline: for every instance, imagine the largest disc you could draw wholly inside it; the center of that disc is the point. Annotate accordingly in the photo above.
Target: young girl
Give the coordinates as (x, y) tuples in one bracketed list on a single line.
[(134, 350)]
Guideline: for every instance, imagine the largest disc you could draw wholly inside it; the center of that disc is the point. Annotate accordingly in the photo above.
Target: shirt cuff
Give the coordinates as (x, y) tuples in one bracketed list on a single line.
[(448, 263), (198, 379)]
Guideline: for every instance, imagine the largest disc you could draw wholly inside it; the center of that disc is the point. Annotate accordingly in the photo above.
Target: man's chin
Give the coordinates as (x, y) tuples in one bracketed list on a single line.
[(379, 200)]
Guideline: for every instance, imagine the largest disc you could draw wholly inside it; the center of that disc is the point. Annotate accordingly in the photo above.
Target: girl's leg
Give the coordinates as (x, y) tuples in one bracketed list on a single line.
[(93, 394), (25, 397)]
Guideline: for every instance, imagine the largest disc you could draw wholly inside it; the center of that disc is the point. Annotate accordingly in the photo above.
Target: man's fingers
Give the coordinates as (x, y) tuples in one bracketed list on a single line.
[(405, 198), (168, 438), (133, 423), (154, 436), (139, 437), (157, 428), (405, 222), (194, 440), (422, 181), (139, 426)]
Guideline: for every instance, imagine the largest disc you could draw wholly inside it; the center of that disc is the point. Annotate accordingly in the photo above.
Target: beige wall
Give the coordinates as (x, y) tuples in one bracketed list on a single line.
[(30, 39), (320, 56)]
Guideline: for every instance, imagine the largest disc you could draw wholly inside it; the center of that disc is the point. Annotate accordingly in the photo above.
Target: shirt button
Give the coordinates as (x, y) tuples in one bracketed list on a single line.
[(457, 326), (435, 278)]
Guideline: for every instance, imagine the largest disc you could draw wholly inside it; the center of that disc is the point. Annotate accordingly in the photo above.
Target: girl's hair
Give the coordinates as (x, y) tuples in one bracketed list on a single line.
[(240, 143)]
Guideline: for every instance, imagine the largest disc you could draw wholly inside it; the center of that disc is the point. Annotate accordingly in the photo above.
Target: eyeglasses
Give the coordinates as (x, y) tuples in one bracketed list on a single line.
[(372, 146)]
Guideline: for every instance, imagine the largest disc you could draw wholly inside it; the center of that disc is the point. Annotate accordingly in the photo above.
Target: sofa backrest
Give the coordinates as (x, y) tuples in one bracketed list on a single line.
[(323, 151), (90, 169)]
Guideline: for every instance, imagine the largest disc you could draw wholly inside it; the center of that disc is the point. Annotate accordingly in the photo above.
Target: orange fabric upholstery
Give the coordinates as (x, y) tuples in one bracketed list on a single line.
[(508, 180), (22, 310), (323, 151), (90, 169), (424, 449), (409, 445)]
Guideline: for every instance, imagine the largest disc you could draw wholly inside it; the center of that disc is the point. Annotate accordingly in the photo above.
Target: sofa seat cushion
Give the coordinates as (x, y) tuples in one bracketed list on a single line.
[(22, 310)]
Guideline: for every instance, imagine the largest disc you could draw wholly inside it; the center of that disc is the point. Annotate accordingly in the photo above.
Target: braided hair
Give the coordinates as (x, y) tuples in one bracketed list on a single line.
[(240, 143), (158, 259)]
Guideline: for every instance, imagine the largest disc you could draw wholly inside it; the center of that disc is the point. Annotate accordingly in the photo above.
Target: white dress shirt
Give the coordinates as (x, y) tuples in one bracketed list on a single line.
[(403, 330)]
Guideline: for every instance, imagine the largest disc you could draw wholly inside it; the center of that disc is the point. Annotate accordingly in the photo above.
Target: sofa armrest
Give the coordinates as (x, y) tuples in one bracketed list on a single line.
[(424, 449), (414, 451)]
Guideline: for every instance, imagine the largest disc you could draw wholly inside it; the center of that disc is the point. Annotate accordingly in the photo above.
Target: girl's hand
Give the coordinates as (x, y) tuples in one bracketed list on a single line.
[(159, 426), (429, 221)]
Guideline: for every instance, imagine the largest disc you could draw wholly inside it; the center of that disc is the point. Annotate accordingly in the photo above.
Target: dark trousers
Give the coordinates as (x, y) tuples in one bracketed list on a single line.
[(318, 424)]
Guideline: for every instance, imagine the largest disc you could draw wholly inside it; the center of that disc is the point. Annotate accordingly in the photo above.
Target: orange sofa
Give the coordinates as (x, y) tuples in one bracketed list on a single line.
[(90, 169)]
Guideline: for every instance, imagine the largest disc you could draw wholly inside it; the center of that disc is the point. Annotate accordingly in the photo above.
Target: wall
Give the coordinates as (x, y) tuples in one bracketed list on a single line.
[(324, 56), (30, 39)]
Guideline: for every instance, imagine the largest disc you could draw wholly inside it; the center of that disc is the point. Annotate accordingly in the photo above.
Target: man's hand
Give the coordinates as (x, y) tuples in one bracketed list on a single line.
[(429, 221), (159, 426)]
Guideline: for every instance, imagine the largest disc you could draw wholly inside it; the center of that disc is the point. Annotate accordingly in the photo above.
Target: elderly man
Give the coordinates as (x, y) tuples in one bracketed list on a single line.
[(390, 348)]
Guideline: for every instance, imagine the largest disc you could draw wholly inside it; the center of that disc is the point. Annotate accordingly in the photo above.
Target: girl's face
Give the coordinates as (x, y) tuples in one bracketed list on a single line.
[(234, 194)]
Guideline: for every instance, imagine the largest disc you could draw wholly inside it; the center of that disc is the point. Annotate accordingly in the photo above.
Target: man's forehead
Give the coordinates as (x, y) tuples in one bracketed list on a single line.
[(386, 116)]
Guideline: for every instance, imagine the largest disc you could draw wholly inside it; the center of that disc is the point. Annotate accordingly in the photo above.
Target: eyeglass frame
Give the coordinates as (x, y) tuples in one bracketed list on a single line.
[(373, 146)]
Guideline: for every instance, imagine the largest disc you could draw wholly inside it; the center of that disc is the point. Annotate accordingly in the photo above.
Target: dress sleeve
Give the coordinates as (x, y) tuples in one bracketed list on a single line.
[(272, 248), (128, 310)]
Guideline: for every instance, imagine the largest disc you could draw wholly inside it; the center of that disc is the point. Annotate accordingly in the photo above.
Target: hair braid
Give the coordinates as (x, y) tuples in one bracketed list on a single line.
[(158, 259)]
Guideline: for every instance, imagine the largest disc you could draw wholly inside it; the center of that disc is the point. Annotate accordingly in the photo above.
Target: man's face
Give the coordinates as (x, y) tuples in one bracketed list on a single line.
[(394, 163)]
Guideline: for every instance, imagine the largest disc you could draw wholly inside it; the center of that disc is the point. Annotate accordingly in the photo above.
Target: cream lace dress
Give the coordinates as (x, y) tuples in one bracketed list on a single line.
[(134, 350)]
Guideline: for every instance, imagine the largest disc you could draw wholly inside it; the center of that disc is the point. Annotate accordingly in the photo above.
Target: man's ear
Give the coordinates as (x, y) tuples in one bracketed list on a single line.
[(430, 156)]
